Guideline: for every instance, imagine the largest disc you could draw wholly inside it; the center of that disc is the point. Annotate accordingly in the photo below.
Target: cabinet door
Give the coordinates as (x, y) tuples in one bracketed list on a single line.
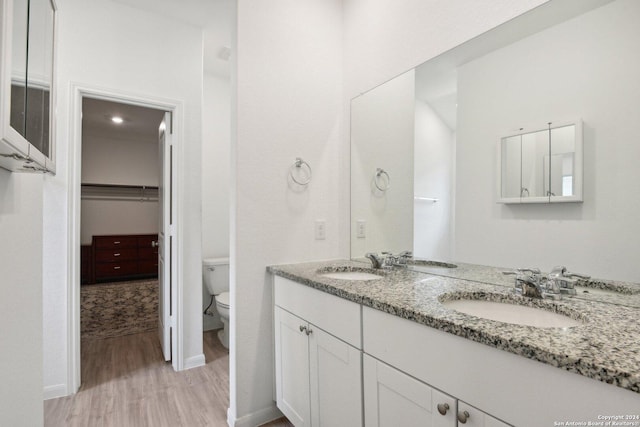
[(468, 416), (393, 398), (336, 392), (292, 367)]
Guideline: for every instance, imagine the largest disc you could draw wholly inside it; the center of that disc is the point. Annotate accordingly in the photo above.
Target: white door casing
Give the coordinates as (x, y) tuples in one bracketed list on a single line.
[(79, 92)]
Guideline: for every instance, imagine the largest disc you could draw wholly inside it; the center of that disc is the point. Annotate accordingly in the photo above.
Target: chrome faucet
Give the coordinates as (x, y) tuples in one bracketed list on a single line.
[(528, 282), (389, 260), (563, 281), (376, 262), (531, 283)]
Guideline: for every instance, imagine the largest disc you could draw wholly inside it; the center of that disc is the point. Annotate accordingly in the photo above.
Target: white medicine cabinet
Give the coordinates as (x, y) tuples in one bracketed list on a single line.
[(541, 164), (26, 85)]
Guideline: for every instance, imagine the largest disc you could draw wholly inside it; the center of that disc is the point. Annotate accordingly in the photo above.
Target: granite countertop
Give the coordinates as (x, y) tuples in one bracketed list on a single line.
[(592, 289), (606, 347)]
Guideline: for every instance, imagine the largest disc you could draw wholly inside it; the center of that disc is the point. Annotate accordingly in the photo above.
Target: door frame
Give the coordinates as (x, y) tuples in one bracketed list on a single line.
[(78, 92)]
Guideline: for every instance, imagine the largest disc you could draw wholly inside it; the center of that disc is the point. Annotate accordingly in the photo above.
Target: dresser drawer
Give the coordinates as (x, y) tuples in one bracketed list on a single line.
[(115, 242), (114, 269), (148, 266), (145, 241), (116, 255), (148, 253)]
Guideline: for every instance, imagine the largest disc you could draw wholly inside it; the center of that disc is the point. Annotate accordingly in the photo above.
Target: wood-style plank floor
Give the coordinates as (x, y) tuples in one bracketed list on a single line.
[(126, 383)]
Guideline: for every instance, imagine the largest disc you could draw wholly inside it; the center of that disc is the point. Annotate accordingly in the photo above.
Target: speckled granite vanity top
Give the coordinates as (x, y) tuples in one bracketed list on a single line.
[(606, 347)]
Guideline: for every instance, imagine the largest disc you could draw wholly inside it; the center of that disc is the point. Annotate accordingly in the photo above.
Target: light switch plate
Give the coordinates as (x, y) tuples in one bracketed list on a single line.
[(361, 229), (321, 229)]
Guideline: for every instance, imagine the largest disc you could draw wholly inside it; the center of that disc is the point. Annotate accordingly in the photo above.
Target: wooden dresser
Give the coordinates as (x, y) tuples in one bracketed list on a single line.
[(124, 257)]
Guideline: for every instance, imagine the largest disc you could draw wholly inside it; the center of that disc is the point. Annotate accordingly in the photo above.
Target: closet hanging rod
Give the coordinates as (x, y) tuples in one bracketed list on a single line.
[(148, 187)]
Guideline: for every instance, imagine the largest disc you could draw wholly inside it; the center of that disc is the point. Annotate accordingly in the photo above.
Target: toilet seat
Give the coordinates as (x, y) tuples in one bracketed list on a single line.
[(223, 299)]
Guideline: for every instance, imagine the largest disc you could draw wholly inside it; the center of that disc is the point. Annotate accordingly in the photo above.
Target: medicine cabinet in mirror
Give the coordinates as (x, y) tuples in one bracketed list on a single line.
[(26, 83), (541, 164)]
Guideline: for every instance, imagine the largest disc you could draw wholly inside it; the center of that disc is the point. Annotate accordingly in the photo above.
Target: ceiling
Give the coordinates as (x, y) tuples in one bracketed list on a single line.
[(215, 17), (140, 123)]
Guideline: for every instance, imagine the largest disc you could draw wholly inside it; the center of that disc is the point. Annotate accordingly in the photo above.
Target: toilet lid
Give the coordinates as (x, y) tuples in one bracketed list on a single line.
[(223, 299)]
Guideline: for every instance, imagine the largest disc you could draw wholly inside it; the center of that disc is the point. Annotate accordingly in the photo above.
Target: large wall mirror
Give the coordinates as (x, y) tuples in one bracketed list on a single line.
[(435, 131)]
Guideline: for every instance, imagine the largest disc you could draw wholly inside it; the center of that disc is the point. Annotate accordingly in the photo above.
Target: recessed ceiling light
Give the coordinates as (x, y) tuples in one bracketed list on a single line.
[(117, 120)]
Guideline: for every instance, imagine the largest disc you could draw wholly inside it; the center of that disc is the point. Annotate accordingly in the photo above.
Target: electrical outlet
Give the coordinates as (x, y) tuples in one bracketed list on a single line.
[(321, 229), (361, 229)]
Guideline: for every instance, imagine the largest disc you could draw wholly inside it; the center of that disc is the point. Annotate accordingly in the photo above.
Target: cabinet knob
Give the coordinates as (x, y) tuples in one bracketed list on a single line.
[(303, 329), (154, 244), (463, 417), (443, 408), (308, 331)]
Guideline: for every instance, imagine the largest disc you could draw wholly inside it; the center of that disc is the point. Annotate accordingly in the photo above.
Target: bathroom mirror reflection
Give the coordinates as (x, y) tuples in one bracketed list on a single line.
[(436, 129), (542, 166)]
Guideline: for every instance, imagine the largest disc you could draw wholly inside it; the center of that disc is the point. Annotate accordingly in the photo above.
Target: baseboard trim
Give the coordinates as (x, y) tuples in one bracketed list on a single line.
[(253, 419), (194, 362), (55, 391)]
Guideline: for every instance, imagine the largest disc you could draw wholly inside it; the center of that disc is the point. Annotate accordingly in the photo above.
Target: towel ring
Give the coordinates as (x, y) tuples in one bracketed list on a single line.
[(299, 164), (376, 178)]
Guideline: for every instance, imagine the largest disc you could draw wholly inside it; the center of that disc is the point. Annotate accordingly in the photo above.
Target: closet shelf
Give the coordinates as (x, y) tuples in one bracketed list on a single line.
[(141, 193)]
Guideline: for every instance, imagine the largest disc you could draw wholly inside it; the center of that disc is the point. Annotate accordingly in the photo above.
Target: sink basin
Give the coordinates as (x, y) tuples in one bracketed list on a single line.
[(512, 313), (350, 273)]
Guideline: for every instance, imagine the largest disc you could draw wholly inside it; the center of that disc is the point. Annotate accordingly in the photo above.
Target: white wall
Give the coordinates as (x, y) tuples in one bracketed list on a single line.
[(108, 160), (587, 68), (289, 104), (118, 161), (383, 118), (21, 302), (433, 169), (216, 162), (103, 44), (104, 217), (385, 38)]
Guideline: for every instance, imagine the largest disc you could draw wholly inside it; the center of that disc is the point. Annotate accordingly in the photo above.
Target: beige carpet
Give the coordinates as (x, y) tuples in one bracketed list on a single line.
[(120, 308)]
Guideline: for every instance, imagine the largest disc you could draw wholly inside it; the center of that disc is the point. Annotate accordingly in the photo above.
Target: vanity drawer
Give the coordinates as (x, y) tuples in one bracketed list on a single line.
[(115, 242), (335, 315), (115, 269), (116, 255)]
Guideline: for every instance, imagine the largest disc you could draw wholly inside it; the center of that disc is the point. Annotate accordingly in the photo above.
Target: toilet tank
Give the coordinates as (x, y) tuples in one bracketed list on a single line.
[(215, 272)]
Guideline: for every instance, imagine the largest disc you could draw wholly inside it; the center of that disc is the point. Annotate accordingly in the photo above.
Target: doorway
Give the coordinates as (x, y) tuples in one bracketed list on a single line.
[(113, 177)]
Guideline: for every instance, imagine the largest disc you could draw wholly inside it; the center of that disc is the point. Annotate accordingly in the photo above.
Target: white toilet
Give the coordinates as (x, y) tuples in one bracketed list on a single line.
[(216, 278)]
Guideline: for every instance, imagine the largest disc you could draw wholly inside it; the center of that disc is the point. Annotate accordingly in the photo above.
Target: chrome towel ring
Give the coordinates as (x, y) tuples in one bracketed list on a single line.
[(299, 164), (380, 182)]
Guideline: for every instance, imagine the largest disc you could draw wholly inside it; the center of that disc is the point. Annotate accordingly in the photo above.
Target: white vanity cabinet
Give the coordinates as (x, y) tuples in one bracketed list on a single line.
[(468, 416), (393, 398), (318, 357)]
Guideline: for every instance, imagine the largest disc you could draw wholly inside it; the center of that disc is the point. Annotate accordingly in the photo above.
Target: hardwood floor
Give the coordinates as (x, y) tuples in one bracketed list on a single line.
[(126, 383)]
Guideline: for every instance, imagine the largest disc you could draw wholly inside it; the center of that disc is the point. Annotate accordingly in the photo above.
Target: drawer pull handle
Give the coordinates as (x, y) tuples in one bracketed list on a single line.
[(463, 417), (443, 408), (116, 268), (116, 254), (116, 243)]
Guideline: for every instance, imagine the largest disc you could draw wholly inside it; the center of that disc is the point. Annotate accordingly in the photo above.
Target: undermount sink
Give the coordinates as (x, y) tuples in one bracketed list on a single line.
[(511, 313), (350, 273)]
